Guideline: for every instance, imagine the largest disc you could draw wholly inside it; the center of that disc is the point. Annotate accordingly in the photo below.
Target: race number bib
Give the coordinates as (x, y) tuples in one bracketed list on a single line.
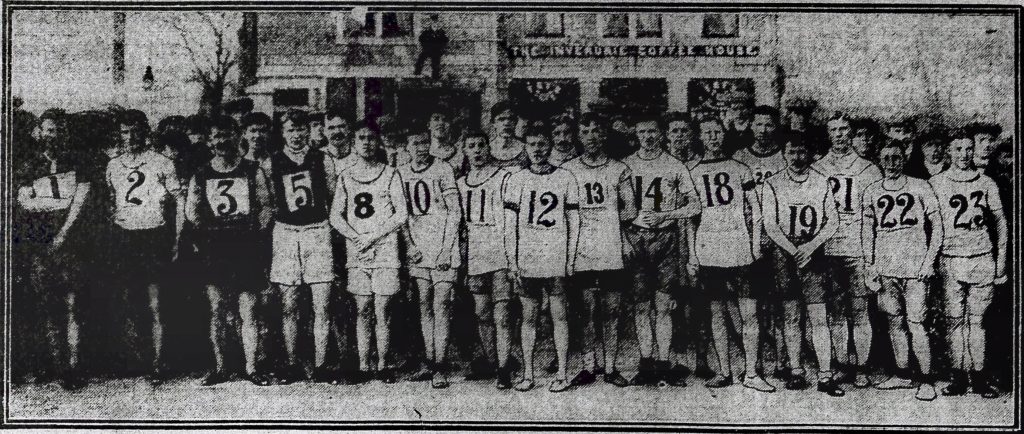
[(228, 196), (542, 210), (298, 190), (56, 186)]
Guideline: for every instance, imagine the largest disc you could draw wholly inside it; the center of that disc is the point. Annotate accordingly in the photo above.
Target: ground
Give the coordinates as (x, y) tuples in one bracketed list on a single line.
[(184, 398)]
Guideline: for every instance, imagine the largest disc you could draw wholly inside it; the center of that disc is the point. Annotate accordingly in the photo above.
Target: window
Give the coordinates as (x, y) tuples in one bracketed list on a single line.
[(616, 26), (721, 26), (396, 24), (546, 25), (385, 25), (631, 26), (648, 25)]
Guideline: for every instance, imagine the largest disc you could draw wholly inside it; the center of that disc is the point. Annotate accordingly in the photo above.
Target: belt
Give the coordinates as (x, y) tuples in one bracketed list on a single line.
[(301, 228)]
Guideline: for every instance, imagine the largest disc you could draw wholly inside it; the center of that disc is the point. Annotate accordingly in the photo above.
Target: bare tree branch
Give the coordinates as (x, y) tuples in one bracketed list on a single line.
[(206, 39)]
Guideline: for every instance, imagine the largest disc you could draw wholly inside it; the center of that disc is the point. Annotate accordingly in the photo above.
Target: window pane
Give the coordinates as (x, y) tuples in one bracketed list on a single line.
[(396, 24), (365, 28), (545, 24), (721, 25), (616, 25), (648, 25)]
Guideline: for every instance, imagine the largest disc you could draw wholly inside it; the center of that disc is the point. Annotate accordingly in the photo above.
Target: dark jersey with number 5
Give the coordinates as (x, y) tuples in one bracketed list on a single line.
[(966, 206), (301, 193), (226, 200)]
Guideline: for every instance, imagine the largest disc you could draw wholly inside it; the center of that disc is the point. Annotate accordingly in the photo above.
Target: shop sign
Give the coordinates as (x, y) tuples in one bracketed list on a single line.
[(601, 51)]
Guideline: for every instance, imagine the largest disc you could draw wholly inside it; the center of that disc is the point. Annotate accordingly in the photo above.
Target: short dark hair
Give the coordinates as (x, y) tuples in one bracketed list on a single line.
[(562, 120), (499, 107), (935, 135), (135, 118), (255, 118), (899, 145), (367, 124), (765, 110), (474, 133), (796, 140), (55, 114), (331, 114), (594, 118), (867, 124), (964, 133), (316, 117), (197, 124), (296, 117), (976, 128), (534, 130), (711, 119), (676, 116), (648, 118), (176, 140), (171, 122), (416, 132), (840, 116), (224, 123)]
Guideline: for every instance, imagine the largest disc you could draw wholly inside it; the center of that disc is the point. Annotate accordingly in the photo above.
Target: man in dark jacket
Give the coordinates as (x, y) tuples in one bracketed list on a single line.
[(433, 43)]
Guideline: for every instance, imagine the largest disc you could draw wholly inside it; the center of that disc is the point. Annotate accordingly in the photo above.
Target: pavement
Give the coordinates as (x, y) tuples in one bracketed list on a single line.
[(375, 402)]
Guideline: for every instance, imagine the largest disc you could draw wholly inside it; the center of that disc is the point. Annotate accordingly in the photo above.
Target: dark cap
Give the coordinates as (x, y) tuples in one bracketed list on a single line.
[(499, 107)]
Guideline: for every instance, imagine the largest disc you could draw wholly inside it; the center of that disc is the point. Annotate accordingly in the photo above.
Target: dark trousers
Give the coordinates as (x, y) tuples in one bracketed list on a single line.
[(435, 63)]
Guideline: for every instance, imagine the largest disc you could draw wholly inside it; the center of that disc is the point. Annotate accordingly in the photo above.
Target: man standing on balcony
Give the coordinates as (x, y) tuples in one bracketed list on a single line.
[(433, 44)]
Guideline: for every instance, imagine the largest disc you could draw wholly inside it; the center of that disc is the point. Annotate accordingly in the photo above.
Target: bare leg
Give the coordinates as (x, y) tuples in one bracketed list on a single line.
[(503, 331), (250, 329), (290, 321), (442, 314), (213, 294), (382, 305), (72, 334), (157, 325), (528, 334), (591, 345), (321, 293), (861, 330), (792, 332), (426, 301), (484, 310), (644, 332), (664, 304), (898, 335), (610, 312), (720, 334), (817, 317), (364, 329), (750, 334), (560, 326)]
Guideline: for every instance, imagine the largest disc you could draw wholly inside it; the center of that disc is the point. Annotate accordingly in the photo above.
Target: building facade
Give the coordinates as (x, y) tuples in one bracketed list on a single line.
[(362, 63)]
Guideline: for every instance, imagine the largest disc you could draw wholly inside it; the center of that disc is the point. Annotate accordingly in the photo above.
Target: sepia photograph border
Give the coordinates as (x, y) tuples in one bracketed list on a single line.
[(1015, 9)]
